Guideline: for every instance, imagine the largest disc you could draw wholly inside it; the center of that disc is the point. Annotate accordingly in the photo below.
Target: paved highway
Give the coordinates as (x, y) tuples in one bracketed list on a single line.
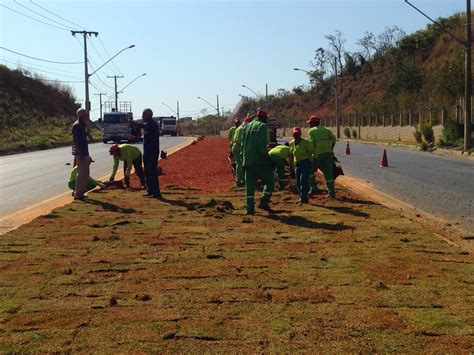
[(442, 186), (29, 178)]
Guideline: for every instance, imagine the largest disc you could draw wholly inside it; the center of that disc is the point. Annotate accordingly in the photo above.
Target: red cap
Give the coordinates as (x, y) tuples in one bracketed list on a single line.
[(262, 113), (114, 149), (314, 119), (296, 130), (248, 119)]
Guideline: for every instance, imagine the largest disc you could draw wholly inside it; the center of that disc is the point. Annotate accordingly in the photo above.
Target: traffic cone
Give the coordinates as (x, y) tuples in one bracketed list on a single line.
[(384, 161), (348, 149)]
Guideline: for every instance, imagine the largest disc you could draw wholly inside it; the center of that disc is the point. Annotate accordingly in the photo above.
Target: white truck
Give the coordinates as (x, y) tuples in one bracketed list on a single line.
[(168, 125), (115, 126)]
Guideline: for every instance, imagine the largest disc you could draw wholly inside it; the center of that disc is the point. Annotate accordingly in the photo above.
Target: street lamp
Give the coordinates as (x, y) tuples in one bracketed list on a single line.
[(258, 95), (298, 69), (214, 107), (130, 83), (95, 71), (250, 90)]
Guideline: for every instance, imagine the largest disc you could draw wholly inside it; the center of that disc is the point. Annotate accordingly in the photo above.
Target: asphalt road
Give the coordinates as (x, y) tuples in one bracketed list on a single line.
[(29, 178), (442, 186)]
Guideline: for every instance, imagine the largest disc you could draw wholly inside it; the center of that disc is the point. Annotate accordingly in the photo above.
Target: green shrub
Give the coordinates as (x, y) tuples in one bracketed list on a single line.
[(354, 133), (417, 135), (347, 132), (424, 146), (427, 133), (449, 134)]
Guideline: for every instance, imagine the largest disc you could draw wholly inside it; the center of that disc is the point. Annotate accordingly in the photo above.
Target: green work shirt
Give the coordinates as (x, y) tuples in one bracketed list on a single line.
[(302, 150), (91, 183), (128, 153), (237, 140), (322, 140), (231, 134), (254, 144), (281, 151)]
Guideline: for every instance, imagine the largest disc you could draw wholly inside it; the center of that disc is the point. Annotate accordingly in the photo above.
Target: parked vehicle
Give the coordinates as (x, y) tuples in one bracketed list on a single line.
[(168, 125), (115, 126)]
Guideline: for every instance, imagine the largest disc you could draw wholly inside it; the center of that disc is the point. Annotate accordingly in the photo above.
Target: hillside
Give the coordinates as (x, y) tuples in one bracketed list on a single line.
[(391, 71), (33, 115)]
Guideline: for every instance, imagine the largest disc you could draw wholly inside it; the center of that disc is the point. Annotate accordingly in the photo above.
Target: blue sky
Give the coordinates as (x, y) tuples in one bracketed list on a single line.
[(197, 48)]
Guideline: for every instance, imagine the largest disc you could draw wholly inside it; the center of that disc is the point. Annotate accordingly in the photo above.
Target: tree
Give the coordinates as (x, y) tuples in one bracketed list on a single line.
[(368, 44), (319, 64), (336, 46), (388, 39)]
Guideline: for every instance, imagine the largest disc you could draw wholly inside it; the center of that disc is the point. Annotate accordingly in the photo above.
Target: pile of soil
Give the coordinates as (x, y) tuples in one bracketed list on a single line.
[(202, 166)]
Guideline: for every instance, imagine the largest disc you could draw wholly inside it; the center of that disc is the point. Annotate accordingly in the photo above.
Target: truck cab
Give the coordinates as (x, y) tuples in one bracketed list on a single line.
[(115, 126), (168, 125)]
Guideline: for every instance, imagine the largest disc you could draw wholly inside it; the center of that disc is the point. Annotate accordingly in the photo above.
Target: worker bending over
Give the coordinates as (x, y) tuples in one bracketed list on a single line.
[(91, 183), (302, 155), (235, 140), (279, 156), (130, 155), (323, 142), (257, 162)]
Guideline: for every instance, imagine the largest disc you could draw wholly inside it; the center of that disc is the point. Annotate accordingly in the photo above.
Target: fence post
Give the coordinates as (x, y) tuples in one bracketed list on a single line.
[(409, 117), (383, 119), (391, 119), (376, 119), (431, 117), (419, 118), (401, 118), (443, 116)]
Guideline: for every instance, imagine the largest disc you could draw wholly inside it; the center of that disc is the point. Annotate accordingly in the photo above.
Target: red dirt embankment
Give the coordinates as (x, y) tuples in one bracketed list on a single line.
[(192, 167)]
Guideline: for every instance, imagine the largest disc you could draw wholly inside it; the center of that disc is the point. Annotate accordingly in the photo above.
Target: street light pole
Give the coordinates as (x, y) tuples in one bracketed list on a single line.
[(468, 89), (207, 102), (336, 93), (130, 83), (266, 97), (100, 102), (116, 91), (244, 86), (86, 69), (467, 44)]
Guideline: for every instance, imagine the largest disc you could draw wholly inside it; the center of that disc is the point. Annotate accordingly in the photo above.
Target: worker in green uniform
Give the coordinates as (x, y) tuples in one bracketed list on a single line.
[(323, 141), (231, 132), (257, 162), (301, 159), (236, 145), (279, 156), (91, 183), (131, 156)]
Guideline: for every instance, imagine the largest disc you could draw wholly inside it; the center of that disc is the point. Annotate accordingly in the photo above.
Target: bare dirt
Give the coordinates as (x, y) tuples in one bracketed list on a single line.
[(192, 273)]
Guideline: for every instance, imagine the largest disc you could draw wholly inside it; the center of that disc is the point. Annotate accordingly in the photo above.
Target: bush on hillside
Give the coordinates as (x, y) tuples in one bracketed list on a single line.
[(449, 134), (347, 132), (354, 133), (427, 133)]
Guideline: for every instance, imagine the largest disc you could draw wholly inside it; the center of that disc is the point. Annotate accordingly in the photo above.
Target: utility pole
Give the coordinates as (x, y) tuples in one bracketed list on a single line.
[(86, 69), (100, 102), (336, 89), (266, 97), (116, 92), (177, 116), (468, 80), (218, 113)]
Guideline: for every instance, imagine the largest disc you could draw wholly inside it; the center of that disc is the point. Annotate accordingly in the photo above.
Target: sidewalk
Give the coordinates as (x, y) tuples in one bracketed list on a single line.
[(192, 273)]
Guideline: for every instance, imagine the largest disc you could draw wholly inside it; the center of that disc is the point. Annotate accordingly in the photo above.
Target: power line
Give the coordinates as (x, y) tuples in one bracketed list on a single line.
[(37, 13), (52, 13), (105, 49), (39, 65), (42, 60), (63, 81), (40, 70), (34, 19), (101, 58)]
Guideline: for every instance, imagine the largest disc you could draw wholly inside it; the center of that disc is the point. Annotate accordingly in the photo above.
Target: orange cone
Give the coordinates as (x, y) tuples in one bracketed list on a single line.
[(348, 149), (384, 161)]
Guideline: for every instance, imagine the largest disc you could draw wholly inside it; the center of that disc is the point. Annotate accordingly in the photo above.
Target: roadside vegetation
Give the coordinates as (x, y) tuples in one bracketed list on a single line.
[(34, 114), (390, 71), (120, 273)]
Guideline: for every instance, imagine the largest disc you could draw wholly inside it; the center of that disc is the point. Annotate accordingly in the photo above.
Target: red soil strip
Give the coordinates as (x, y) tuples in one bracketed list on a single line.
[(202, 166)]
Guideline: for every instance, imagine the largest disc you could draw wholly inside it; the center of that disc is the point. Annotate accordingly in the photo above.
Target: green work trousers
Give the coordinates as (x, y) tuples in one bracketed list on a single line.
[(326, 165), (313, 185), (239, 175), (252, 174), (280, 168)]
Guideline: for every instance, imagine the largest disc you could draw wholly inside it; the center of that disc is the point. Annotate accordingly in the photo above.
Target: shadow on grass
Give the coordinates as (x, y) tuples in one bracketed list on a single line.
[(109, 206), (299, 221), (358, 201), (345, 210)]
